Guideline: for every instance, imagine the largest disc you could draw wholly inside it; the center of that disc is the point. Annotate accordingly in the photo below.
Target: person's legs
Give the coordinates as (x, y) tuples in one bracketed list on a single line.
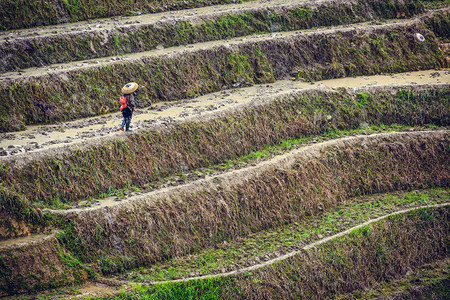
[(123, 124), (127, 123)]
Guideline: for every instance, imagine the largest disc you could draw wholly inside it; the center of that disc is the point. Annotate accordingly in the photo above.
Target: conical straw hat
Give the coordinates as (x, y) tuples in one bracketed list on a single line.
[(130, 88)]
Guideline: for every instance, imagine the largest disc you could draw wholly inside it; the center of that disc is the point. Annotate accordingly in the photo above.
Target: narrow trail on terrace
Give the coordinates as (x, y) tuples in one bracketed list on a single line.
[(106, 30), (58, 69), (41, 138), (26, 240), (195, 14), (231, 177), (271, 261), (199, 14)]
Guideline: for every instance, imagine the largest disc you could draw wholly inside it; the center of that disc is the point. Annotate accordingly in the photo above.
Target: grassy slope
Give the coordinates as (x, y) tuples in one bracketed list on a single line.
[(313, 56), (436, 4), (16, 14), (184, 220), (430, 281), (439, 22), (261, 246), (150, 155), (42, 264), (386, 250), (25, 53), (285, 238)]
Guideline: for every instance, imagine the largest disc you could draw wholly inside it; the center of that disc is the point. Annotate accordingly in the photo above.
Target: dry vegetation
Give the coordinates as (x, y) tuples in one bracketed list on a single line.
[(315, 55), (40, 12), (94, 170), (163, 223), (264, 246), (386, 251), (439, 22), (81, 45), (190, 217)]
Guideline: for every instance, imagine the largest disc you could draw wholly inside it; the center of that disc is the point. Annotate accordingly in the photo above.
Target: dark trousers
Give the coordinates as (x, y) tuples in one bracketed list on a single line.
[(126, 122), (127, 114)]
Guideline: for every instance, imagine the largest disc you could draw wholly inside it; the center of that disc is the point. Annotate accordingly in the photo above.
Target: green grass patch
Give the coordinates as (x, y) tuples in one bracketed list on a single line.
[(258, 247), (213, 288), (395, 248)]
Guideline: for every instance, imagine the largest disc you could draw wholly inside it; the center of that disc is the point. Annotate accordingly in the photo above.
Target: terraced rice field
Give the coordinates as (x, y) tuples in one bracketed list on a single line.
[(280, 149)]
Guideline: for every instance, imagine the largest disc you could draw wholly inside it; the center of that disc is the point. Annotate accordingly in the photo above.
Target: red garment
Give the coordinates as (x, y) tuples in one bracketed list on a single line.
[(123, 101)]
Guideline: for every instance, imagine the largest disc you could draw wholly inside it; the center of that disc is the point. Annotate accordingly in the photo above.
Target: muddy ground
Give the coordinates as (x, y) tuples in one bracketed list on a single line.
[(40, 138)]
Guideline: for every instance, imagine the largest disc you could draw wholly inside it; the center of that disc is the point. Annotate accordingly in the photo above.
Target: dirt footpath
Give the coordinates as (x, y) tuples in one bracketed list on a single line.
[(39, 138), (194, 15)]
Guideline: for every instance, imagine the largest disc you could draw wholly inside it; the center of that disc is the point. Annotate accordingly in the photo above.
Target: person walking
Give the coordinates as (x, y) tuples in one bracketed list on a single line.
[(130, 91)]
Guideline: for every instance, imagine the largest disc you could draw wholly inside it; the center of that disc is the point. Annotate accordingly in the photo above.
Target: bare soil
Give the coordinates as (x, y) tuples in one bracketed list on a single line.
[(23, 241)]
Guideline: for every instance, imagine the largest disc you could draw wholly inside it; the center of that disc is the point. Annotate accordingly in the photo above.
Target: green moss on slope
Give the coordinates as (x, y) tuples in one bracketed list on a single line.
[(81, 93), (51, 49), (15, 14), (383, 251)]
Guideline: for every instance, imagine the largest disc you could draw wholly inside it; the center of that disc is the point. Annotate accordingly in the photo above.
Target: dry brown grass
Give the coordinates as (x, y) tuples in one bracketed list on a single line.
[(69, 46), (22, 13), (87, 172), (383, 252), (202, 214), (315, 55)]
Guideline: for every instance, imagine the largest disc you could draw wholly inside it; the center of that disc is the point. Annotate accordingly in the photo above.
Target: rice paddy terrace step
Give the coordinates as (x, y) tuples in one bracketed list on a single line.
[(108, 37), (289, 254), (143, 276), (177, 220), (295, 272), (36, 262), (42, 141), (105, 234), (268, 245), (36, 13), (77, 90), (66, 136), (63, 176), (66, 175), (48, 174)]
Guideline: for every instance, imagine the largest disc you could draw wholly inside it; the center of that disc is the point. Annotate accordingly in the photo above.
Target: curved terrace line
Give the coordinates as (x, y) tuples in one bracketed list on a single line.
[(60, 69), (104, 33), (199, 14), (96, 130), (237, 175), (271, 261)]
